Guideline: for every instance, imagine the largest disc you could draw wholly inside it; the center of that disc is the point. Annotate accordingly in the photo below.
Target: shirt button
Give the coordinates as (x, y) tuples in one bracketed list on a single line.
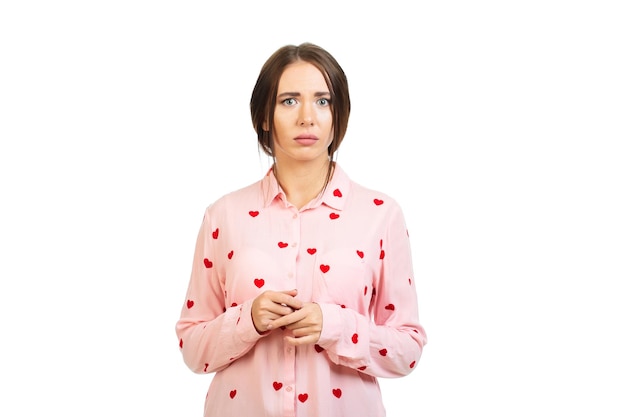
[(288, 388), (295, 216), (290, 275), (294, 244)]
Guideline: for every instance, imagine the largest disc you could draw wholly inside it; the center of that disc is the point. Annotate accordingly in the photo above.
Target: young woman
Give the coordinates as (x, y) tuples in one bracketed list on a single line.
[(302, 290)]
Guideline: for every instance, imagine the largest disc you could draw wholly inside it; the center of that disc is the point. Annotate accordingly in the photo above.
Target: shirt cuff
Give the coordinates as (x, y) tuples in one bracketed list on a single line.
[(332, 326), (245, 326)]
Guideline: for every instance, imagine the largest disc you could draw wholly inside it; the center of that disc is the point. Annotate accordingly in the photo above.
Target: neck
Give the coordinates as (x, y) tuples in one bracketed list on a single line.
[(301, 182)]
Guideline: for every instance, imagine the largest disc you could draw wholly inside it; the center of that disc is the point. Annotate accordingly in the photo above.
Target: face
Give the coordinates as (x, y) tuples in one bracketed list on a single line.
[(303, 117)]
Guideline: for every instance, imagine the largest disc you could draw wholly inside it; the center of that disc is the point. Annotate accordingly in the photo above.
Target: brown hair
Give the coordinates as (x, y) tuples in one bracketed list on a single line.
[(263, 100)]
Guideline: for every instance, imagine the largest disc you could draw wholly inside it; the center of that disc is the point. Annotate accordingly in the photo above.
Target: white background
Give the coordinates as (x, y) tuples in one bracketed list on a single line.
[(498, 126)]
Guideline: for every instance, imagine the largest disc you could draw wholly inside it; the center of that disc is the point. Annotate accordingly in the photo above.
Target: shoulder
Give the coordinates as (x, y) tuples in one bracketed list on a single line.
[(361, 195), (378, 208), (239, 199), (374, 198)]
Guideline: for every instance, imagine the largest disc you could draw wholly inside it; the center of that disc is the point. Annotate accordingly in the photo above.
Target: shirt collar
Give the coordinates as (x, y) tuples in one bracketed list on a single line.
[(334, 195), (270, 188)]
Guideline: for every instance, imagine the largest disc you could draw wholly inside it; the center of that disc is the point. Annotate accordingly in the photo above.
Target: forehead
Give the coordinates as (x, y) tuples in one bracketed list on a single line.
[(302, 75)]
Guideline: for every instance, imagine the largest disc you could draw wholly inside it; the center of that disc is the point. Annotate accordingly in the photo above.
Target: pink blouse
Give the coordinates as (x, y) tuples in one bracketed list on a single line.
[(349, 252)]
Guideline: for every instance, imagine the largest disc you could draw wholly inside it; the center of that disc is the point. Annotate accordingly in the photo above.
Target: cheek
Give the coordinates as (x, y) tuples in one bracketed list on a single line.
[(326, 116), (278, 131), (325, 119), (281, 121)]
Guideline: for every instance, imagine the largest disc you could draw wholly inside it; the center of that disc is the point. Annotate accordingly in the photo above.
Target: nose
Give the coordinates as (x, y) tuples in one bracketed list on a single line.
[(305, 117)]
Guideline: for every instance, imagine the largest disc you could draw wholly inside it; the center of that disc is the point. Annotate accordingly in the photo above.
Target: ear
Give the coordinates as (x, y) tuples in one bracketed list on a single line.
[(266, 126)]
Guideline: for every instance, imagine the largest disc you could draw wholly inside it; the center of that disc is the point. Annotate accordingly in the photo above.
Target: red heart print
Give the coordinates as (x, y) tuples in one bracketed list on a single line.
[(361, 368), (409, 281), (189, 303), (311, 251), (282, 245), (318, 348), (412, 365), (207, 263), (337, 193), (355, 338), (215, 233), (365, 290), (378, 202), (382, 254), (206, 366), (277, 385), (324, 268), (180, 343), (230, 254), (333, 216), (233, 393), (303, 397), (253, 213), (390, 307), (383, 352), (360, 253), (259, 282), (337, 392), (233, 305)]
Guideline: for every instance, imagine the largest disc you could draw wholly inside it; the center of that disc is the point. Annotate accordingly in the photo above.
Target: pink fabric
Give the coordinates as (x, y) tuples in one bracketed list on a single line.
[(349, 252)]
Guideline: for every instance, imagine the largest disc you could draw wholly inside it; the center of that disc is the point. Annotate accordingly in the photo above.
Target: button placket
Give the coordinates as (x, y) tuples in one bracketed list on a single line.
[(295, 238)]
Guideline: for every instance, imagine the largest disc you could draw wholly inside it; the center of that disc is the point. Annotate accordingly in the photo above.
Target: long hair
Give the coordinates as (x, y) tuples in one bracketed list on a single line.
[(263, 100)]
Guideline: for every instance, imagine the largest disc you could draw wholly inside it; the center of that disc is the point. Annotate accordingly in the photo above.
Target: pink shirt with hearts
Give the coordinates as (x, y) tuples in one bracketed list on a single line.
[(349, 252)]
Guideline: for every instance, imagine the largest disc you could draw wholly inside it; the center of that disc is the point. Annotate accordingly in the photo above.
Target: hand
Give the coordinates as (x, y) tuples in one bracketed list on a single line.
[(271, 305), (305, 324)]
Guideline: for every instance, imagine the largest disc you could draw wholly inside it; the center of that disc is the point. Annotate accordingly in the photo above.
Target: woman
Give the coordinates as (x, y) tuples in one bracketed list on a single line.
[(301, 291)]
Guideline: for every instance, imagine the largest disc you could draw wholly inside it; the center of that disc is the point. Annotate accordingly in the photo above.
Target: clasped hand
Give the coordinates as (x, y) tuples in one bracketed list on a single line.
[(274, 309)]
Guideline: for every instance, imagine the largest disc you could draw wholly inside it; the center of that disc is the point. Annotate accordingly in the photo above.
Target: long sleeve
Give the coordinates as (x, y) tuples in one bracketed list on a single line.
[(389, 342), (210, 334), (348, 251)]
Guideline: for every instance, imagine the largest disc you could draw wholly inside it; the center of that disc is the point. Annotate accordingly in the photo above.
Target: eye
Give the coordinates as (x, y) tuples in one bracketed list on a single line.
[(323, 101), (289, 101)]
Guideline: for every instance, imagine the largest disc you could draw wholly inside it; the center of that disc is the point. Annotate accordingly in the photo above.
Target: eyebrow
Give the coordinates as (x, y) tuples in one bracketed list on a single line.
[(296, 94)]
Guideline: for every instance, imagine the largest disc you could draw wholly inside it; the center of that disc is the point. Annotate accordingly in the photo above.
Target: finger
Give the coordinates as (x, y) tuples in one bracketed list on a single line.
[(287, 299), (286, 320), (291, 293), (278, 303), (301, 331), (304, 340), (283, 310)]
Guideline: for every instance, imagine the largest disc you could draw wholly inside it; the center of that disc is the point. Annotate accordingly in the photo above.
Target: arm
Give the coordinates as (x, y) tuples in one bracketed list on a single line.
[(212, 335), (390, 344)]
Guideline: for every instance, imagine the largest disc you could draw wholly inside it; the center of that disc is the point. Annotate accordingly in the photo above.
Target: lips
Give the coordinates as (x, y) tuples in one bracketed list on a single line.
[(306, 139)]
